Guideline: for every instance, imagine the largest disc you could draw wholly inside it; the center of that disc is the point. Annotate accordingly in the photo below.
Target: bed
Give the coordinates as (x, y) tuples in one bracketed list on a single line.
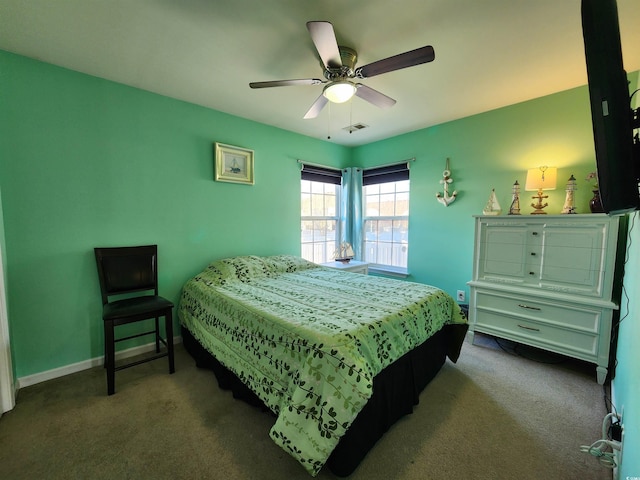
[(336, 356)]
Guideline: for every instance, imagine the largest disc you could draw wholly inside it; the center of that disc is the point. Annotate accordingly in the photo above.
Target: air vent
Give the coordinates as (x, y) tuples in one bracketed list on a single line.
[(355, 127)]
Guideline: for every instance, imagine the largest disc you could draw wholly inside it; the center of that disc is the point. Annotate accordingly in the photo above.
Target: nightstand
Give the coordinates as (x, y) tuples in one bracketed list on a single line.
[(353, 266)]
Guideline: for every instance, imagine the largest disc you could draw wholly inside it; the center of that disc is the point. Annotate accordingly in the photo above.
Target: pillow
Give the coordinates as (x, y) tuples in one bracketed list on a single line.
[(246, 268), (288, 263)]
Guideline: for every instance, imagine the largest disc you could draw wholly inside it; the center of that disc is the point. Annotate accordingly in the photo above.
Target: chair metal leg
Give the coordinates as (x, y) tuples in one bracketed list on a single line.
[(104, 363), (157, 334), (169, 332), (110, 356)]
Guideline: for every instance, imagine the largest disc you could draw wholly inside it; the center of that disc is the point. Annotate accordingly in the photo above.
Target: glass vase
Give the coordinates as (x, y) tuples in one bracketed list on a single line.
[(595, 204)]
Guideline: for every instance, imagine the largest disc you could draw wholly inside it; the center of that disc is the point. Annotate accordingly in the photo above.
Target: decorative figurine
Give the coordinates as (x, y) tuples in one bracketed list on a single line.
[(514, 209), (344, 253), (446, 199), (569, 205), (492, 207)]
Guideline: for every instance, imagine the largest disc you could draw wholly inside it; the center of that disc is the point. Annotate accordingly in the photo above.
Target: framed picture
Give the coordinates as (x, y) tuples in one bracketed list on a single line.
[(233, 164)]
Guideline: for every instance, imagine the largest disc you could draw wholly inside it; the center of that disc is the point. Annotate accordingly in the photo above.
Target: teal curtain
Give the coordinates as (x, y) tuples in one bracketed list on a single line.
[(351, 209)]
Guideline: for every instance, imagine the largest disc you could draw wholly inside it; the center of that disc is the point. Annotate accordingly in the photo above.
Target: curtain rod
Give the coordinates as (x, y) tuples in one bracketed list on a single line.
[(303, 162), (408, 160)]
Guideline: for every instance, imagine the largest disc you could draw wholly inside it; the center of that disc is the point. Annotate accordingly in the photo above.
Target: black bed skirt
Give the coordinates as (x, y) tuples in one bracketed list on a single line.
[(395, 391)]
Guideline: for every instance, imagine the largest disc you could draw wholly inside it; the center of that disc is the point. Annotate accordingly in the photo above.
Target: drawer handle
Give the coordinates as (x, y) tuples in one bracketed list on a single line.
[(533, 254), (532, 273), (528, 307), (529, 328), (534, 234)]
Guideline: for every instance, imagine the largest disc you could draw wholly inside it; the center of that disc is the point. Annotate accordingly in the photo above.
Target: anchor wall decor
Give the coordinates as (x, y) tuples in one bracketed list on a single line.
[(446, 199)]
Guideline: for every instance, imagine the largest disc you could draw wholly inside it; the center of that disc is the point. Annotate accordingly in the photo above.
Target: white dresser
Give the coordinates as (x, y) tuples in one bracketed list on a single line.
[(354, 266), (546, 281)]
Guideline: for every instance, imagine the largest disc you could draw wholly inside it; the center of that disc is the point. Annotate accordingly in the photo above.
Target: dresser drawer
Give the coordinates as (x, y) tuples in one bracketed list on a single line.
[(572, 255), (543, 335), (572, 317)]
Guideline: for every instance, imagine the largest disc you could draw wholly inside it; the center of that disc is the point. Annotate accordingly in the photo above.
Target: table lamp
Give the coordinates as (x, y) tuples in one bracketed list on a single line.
[(539, 179)]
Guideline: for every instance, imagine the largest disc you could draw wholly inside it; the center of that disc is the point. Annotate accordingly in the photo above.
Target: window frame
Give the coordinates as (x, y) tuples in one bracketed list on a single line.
[(386, 174), (395, 174), (328, 249)]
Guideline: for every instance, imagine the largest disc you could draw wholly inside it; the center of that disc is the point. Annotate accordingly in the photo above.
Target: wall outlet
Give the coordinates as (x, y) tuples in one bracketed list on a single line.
[(617, 458), (460, 295), (617, 453)]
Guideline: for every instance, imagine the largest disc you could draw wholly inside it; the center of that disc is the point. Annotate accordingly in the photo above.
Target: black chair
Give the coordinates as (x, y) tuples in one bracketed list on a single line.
[(124, 271)]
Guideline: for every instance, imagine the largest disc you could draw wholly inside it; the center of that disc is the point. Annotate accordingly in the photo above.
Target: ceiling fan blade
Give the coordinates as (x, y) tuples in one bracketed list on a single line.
[(316, 108), (397, 62), (286, 83), (373, 96), (324, 38)]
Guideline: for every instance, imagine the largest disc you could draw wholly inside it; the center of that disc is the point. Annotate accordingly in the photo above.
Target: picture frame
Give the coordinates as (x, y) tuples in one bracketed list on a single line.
[(233, 164)]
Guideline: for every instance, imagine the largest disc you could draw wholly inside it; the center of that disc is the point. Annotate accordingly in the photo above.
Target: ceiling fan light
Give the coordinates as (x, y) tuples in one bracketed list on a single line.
[(339, 92)]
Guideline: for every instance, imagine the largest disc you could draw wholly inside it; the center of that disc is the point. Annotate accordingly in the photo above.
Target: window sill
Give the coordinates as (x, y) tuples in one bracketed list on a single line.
[(388, 271)]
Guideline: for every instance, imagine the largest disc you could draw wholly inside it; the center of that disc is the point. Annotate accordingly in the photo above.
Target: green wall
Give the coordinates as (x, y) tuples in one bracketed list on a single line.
[(87, 162), (626, 385)]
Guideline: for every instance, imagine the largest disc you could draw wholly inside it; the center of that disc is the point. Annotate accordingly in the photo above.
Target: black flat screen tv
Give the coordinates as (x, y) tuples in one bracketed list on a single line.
[(617, 162)]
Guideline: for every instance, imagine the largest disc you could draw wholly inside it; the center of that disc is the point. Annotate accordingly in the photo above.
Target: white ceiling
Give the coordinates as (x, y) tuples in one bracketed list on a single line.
[(489, 53)]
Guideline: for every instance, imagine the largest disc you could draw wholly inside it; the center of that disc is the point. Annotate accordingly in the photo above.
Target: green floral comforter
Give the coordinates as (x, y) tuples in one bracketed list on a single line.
[(308, 340)]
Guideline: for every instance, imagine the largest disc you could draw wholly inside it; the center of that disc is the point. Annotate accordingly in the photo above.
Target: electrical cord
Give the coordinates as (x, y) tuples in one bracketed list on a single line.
[(624, 298), (607, 459), (599, 447), (608, 422), (626, 260), (608, 404)]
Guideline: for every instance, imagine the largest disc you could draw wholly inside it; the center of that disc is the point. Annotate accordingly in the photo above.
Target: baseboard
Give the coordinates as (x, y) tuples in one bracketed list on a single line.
[(85, 365)]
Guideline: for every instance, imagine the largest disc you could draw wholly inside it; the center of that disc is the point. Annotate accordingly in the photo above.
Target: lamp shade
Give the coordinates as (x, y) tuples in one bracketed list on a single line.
[(339, 92), (541, 178)]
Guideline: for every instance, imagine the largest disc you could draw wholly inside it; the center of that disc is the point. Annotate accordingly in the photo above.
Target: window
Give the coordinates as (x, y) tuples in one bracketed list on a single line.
[(320, 200), (386, 216), (383, 234)]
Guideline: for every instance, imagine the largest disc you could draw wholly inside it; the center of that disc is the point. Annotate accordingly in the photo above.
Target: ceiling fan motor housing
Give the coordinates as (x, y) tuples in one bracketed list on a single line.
[(349, 57)]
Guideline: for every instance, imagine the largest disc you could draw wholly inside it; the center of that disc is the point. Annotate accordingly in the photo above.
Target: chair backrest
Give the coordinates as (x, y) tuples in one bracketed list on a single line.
[(127, 269)]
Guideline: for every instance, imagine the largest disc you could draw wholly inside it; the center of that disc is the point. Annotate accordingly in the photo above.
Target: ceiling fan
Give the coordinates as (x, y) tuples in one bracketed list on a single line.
[(340, 70)]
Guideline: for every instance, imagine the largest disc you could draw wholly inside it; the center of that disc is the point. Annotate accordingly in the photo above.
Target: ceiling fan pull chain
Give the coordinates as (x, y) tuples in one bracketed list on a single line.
[(329, 123)]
